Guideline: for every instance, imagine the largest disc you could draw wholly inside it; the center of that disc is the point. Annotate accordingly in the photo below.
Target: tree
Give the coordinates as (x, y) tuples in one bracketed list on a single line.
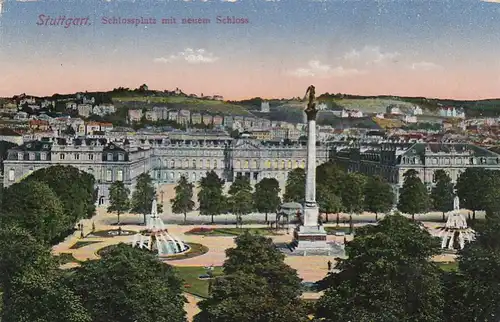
[(257, 286), (331, 176), (471, 189), (491, 193), (212, 201), (247, 298), (258, 255), (295, 189), (330, 179), (240, 198), (34, 206), (379, 196), (328, 201), (18, 250), (266, 196), (40, 296), (352, 194), (75, 189), (413, 198), (143, 195), (474, 289), (386, 277), (442, 194), (118, 199), (127, 285), (183, 201)]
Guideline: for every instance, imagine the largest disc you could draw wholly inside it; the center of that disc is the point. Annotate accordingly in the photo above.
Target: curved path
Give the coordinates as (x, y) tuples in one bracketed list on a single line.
[(315, 269)]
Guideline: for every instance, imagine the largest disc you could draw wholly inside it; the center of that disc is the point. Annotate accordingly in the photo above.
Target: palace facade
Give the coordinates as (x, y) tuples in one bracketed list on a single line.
[(392, 160), (165, 159)]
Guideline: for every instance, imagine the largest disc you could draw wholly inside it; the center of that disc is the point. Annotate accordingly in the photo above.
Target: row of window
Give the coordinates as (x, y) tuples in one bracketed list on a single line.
[(200, 164), (171, 176), (76, 156), (276, 164)]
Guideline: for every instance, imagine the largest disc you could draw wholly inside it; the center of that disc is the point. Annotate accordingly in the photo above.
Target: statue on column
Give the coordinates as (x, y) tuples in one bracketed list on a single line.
[(311, 110)]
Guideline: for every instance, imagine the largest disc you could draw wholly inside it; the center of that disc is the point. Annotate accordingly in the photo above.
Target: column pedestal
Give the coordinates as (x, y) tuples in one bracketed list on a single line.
[(310, 238)]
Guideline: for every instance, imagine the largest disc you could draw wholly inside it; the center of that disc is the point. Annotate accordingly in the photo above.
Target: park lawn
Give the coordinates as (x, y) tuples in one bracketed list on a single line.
[(448, 266), (238, 231), (264, 231), (192, 284)]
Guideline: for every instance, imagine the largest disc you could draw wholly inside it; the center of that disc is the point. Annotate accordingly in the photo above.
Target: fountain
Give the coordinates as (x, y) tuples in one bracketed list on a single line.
[(455, 232), (156, 236)]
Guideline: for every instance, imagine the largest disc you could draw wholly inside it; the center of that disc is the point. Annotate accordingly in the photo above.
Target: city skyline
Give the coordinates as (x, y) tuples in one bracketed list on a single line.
[(271, 49)]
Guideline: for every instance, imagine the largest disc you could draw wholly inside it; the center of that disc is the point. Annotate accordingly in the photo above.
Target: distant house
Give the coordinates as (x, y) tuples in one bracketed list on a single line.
[(451, 111), (184, 117), (355, 113), (87, 100), (342, 113), (39, 125), (322, 106), (207, 119), (173, 116), (21, 116), (218, 120), (196, 118), (103, 109), (10, 135), (416, 110), (410, 119), (92, 127), (392, 109), (84, 110), (71, 106), (134, 115), (151, 116), (264, 107)]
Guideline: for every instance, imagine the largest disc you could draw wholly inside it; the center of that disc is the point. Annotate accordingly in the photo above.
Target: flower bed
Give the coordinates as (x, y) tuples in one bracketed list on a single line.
[(112, 233), (200, 231)]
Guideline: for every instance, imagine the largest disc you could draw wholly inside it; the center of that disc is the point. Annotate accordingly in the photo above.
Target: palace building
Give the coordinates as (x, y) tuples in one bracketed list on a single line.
[(165, 159)]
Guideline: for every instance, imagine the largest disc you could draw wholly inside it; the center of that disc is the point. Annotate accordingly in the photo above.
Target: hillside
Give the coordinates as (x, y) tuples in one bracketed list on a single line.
[(486, 107), (182, 102), (290, 110)]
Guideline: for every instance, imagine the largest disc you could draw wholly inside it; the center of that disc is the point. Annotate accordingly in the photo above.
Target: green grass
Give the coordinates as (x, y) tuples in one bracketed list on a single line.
[(192, 104), (448, 266), (196, 250), (80, 244), (192, 284), (236, 232)]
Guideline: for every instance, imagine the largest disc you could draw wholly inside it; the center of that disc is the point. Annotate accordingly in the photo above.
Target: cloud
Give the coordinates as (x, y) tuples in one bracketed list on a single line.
[(370, 55), (424, 65), (191, 56), (316, 69)]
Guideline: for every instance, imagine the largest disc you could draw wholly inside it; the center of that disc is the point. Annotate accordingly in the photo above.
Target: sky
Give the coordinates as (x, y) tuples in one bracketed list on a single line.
[(441, 49)]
